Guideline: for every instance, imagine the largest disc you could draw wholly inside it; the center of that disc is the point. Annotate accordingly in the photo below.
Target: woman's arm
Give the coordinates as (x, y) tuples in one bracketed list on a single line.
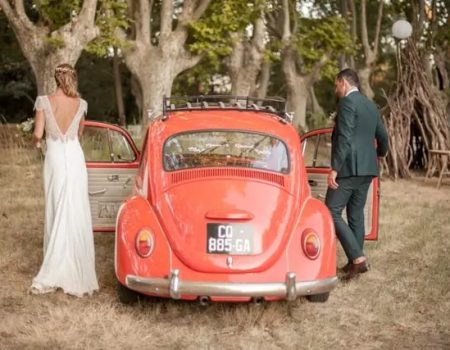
[(39, 124)]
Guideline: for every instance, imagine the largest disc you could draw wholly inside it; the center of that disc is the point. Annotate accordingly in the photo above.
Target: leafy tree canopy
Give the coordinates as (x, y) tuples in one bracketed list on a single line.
[(111, 17), (211, 34), (318, 37)]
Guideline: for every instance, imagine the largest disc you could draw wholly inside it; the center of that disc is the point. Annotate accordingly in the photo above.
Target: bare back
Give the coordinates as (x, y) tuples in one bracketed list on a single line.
[(64, 110)]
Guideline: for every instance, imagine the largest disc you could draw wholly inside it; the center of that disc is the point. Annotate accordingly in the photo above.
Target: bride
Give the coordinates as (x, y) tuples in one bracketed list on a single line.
[(69, 257)]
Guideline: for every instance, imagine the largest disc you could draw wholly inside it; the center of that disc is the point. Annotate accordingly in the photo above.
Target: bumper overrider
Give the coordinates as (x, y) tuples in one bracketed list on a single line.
[(175, 287)]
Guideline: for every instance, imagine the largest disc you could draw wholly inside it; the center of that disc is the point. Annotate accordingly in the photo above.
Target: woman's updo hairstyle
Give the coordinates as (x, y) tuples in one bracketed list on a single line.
[(66, 79)]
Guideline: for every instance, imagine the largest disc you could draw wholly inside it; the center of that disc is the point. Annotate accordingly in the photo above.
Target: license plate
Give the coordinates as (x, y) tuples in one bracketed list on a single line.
[(229, 239)]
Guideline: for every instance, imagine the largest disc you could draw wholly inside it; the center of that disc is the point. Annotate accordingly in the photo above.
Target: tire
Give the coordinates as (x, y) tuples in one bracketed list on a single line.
[(127, 296), (318, 298)]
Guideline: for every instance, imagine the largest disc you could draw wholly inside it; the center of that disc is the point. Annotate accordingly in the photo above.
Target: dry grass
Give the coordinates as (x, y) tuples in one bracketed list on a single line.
[(402, 303)]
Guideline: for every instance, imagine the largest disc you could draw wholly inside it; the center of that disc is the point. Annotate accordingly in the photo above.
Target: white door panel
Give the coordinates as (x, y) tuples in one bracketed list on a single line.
[(107, 190)]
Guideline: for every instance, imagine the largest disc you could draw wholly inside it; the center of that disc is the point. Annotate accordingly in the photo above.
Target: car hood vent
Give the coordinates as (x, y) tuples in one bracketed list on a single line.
[(189, 175)]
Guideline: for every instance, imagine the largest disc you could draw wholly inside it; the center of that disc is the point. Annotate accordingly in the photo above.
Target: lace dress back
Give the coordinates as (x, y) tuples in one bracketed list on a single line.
[(69, 255), (52, 129)]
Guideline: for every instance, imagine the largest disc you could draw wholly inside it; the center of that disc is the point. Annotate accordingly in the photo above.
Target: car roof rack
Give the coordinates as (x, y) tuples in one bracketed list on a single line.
[(272, 105)]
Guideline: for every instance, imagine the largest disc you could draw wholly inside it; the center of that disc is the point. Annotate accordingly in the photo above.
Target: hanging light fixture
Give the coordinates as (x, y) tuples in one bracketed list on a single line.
[(401, 29)]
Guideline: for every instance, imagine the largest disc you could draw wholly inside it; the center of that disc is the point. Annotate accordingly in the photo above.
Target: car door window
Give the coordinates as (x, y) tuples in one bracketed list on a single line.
[(309, 150), (323, 153), (95, 144), (121, 149), (317, 151)]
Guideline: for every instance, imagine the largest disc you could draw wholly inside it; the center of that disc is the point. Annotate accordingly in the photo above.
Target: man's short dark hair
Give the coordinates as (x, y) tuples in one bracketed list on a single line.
[(350, 75)]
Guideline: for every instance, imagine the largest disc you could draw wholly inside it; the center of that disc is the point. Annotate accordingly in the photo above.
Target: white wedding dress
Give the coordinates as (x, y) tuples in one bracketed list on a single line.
[(69, 256)]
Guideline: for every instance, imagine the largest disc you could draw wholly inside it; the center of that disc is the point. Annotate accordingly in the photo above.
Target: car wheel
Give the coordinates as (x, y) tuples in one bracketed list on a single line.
[(126, 295), (318, 298)]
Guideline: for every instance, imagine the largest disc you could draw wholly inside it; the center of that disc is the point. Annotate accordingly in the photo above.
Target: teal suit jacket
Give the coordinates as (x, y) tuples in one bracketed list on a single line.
[(358, 124)]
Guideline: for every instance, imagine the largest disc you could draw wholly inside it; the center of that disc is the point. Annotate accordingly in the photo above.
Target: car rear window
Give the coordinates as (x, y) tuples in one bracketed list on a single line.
[(225, 149)]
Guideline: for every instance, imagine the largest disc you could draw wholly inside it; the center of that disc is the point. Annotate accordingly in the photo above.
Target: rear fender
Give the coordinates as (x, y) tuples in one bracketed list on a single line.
[(134, 215), (315, 216)]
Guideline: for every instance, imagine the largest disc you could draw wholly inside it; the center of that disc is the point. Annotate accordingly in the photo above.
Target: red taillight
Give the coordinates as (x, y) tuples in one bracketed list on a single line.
[(145, 242), (311, 244)]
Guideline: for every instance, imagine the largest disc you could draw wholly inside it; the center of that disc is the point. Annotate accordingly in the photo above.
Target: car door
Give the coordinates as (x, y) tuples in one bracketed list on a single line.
[(112, 160), (316, 149)]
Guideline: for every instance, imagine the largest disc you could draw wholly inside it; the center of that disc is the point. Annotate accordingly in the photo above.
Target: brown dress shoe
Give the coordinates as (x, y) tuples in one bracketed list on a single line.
[(346, 267), (355, 270)]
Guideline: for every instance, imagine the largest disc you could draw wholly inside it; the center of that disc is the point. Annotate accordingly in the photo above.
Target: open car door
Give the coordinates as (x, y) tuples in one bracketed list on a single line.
[(112, 160), (316, 148)]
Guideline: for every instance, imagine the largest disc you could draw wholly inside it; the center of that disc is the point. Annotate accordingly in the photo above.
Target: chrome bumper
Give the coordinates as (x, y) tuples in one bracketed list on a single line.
[(175, 287)]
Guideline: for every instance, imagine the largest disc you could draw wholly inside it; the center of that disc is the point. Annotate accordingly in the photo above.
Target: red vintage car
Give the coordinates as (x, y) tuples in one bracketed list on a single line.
[(222, 205)]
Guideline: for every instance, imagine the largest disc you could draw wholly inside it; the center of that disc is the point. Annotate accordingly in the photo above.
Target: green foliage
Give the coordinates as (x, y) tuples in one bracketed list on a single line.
[(197, 80), (317, 37), (111, 17), (211, 34), (56, 13), (442, 35)]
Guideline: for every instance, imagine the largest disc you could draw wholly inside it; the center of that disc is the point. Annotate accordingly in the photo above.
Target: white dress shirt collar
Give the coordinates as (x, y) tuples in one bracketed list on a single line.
[(353, 89)]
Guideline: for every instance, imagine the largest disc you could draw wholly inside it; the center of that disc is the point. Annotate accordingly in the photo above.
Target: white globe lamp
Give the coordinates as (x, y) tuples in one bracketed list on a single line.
[(402, 29)]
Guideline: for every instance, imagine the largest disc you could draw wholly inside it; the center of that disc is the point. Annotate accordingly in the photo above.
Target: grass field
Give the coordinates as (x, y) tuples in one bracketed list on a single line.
[(402, 303)]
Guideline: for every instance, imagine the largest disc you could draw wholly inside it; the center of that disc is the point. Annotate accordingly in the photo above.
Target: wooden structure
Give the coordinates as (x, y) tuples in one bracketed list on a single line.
[(444, 155), (415, 117)]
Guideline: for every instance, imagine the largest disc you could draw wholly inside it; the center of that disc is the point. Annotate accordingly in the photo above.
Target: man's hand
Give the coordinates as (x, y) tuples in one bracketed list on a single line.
[(332, 180)]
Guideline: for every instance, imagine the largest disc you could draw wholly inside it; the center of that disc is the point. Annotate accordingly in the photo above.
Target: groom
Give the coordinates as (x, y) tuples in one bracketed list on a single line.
[(354, 163)]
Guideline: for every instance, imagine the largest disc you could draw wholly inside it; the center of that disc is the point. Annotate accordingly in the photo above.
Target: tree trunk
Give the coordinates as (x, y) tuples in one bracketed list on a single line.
[(155, 81), (297, 98), (44, 56), (118, 89), (297, 89), (246, 60), (344, 12), (155, 69), (298, 83), (370, 52), (354, 31), (156, 65), (364, 80), (264, 79), (316, 108)]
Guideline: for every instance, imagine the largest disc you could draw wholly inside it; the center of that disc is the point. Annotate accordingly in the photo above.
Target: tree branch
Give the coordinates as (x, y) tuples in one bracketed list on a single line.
[(286, 36), (200, 9), (378, 28), (20, 9), (364, 35), (353, 11), (354, 30), (192, 11), (189, 61), (86, 18), (313, 76), (166, 18), (142, 17), (18, 19), (294, 19), (273, 24), (258, 33)]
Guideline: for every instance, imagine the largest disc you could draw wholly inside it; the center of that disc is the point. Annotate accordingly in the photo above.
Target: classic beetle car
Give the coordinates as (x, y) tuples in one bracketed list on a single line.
[(221, 207)]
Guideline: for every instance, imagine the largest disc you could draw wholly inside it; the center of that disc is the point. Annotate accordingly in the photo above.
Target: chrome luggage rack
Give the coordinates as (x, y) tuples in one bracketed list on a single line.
[(273, 105)]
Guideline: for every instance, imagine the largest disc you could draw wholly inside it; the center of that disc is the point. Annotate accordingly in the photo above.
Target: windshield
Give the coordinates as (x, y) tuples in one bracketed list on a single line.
[(225, 149)]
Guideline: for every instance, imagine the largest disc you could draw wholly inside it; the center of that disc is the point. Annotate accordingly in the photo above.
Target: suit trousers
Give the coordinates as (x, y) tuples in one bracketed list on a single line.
[(351, 194)]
